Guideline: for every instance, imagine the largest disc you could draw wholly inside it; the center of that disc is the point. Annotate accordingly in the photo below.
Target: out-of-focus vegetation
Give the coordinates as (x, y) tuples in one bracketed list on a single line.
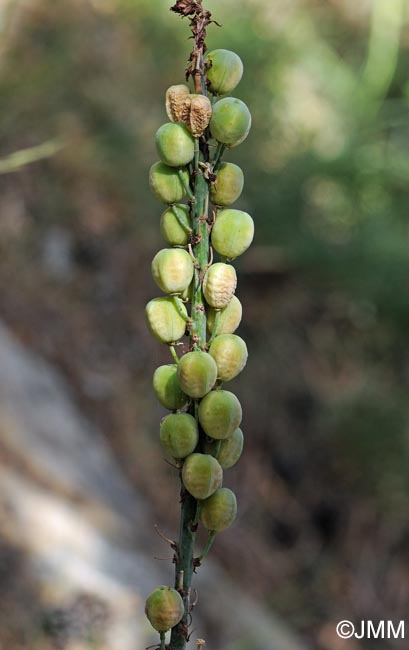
[(324, 493)]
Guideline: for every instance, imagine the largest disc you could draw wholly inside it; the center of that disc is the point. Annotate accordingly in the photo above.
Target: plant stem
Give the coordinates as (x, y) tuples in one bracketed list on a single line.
[(208, 546), (173, 353), (162, 641)]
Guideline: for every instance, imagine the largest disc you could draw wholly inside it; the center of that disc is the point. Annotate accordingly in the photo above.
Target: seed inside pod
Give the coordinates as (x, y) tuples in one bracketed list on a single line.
[(164, 320), (179, 434), (228, 451), (219, 284), (220, 414), (175, 225), (225, 72), (230, 353), (232, 233), (165, 183), (172, 270), (164, 608), (228, 185), (219, 511), (197, 373), (175, 145), (231, 121), (175, 97), (201, 475), (229, 319), (167, 388)]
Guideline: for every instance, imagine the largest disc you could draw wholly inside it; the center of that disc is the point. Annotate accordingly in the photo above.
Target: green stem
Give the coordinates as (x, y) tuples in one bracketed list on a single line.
[(162, 641), (179, 220), (218, 155), (185, 185), (215, 326), (176, 301), (208, 546), (173, 353)]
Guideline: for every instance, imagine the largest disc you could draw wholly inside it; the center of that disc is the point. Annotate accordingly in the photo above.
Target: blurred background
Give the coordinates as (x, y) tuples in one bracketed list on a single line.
[(323, 485)]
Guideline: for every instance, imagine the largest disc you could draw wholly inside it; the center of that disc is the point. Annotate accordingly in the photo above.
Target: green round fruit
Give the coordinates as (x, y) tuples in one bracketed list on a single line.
[(164, 320), (226, 451), (228, 186), (219, 511), (175, 145), (197, 373), (172, 270), (219, 284), (229, 319), (201, 475), (165, 183), (225, 72), (164, 608), (179, 434), (220, 414), (232, 233), (230, 353), (175, 225), (231, 121), (167, 388)]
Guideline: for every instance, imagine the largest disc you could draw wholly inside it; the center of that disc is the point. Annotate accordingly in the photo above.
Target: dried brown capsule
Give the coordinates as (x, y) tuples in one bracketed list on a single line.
[(175, 98), (196, 114)]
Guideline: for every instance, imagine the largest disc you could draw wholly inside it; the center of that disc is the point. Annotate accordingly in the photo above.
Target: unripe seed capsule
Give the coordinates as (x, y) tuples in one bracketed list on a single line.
[(225, 72), (230, 353), (229, 449), (197, 373), (175, 99), (219, 284), (172, 270), (164, 608), (220, 414), (179, 434), (175, 225), (201, 475), (219, 511), (228, 185), (165, 183), (167, 388), (229, 319), (232, 233), (231, 121), (175, 145), (164, 320)]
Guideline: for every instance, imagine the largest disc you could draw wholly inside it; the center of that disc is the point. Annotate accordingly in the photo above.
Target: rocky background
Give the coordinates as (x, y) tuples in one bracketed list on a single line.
[(323, 485)]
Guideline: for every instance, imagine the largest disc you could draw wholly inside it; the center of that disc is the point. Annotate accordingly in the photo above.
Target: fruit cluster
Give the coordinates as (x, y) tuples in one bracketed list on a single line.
[(202, 432)]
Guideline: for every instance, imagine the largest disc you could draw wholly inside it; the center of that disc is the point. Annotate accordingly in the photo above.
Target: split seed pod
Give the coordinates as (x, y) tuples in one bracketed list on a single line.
[(229, 319), (225, 72), (230, 353), (201, 475), (167, 388), (175, 98), (164, 320), (219, 511), (175, 145), (230, 449), (232, 233), (179, 434), (175, 225), (164, 608), (172, 270), (197, 373), (197, 111), (228, 185), (231, 121), (165, 183), (220, 414), (219, 284)]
